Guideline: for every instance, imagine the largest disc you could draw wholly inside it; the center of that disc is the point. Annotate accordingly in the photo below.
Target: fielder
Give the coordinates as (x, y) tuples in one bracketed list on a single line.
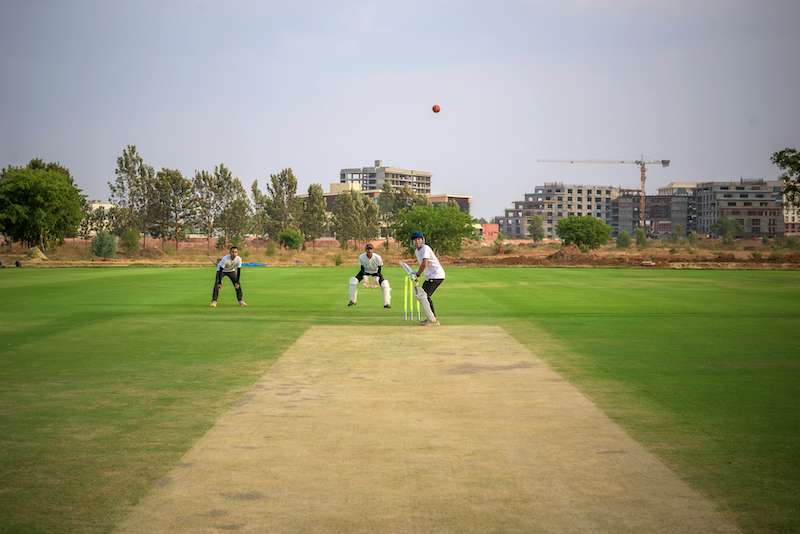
[(230, 266), (434, 275), (371, 267)]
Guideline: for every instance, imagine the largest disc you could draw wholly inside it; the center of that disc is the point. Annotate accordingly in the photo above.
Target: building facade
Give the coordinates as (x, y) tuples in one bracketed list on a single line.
[(756, 203), (373, 178)]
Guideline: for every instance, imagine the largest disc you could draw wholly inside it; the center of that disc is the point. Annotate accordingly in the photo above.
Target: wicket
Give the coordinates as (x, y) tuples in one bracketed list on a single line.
[(408, 294)]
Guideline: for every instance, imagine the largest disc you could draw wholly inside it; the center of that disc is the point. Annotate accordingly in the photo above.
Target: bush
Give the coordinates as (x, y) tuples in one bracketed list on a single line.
[(765, 240), (756, 255), (104, 245), (291, 239), (641, 237), (130, 241), (624, 240), (271, 248), (791, 242), (693, 239), (221, 243), (673, 251), (728, 239), (583, 248), (337, 260)]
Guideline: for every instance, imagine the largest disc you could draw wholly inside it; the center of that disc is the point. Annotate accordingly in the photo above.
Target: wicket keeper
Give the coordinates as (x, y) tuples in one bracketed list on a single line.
[(370, 266), (434, 275), (230, 266)]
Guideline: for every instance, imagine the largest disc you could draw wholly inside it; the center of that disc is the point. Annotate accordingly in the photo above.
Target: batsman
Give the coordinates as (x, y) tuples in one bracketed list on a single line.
[(370, 266), (434, 275)]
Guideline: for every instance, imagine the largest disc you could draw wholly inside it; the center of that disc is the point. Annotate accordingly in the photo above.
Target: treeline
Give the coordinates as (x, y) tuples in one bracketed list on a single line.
[(40, 204)]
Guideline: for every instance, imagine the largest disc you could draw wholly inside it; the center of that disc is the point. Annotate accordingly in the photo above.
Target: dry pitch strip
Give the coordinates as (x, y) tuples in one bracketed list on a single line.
[(448, 429)]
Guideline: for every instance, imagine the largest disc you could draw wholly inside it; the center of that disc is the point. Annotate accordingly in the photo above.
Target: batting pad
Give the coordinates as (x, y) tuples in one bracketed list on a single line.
[(450, 429)]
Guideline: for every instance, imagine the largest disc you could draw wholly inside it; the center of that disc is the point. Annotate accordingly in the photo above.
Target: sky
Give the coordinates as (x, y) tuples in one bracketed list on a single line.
[(319, 85)]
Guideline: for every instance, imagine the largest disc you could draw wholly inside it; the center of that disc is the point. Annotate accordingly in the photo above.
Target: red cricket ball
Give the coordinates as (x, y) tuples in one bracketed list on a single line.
[(436, 109)]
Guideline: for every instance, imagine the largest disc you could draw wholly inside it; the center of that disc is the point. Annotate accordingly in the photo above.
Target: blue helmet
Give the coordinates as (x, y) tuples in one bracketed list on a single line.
[(414, 235)]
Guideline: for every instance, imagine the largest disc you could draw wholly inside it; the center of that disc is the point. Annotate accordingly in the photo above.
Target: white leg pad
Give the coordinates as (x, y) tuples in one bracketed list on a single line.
[(353, 290), (422, 297), (386, 289)]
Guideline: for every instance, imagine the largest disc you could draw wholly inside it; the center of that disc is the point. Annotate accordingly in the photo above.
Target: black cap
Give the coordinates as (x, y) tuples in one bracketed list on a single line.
[(369, 245)]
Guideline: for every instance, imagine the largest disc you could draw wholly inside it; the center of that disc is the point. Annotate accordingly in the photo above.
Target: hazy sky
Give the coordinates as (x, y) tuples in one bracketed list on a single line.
[(321, 85)]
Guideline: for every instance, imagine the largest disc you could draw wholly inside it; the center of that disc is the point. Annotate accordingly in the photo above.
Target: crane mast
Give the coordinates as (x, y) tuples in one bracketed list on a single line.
[(641, 163)]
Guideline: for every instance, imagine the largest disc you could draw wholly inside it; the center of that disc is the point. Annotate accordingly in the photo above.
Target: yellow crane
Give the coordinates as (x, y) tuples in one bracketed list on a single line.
[(640, 162)]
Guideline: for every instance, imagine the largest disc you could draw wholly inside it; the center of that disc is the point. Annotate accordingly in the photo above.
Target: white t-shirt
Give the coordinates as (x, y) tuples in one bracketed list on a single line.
[(370, 264), (434, 269), (227, 265)]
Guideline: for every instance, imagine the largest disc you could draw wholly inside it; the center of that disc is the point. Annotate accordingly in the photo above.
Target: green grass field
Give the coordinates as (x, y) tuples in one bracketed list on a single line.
[(108, 375)]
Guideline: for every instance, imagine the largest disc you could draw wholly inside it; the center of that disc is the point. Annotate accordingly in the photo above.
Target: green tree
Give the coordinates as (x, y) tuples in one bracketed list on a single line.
[(623, 239), (132, 190), (291, 239), (536, 228), (724, 225), (261, 208), (39, 207), (583, 230), (205, 198), (641, 237), (788, 160), (387, 209), (233, 206), (130, 241), (347, 217), (445, 228), (313, 218), (104, 245), (177, 204), (405, 199), (370, 222), (282, 191)]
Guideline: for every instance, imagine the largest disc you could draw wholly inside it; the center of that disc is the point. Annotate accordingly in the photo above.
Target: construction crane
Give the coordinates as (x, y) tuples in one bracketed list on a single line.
[(641, 163)]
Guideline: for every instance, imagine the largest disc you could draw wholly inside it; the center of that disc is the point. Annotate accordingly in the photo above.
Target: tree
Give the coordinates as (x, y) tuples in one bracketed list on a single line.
[(405, 199), (370, 223), (445, 228), (233, 206), (178, 204), (724, 225), (205, 196), (132, 190), (104, 245), (583, 230), (261, 207), (282, 190), (788, 160), (313, 218), (536, 229), (291, 239), (641, 237), (346, 219), (623, 239), (387, 209), (39, 207)]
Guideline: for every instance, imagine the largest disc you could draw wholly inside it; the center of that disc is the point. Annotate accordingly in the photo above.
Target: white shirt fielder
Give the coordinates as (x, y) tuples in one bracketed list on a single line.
[(228, 265), (370, 264)]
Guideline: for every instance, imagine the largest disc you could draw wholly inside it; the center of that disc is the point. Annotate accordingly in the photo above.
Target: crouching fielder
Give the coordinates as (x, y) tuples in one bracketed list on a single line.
[(434, 275), (370, 266), (230, 266)]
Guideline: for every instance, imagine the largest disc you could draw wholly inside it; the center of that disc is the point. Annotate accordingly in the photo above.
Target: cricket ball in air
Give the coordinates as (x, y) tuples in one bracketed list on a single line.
[(436, 109)]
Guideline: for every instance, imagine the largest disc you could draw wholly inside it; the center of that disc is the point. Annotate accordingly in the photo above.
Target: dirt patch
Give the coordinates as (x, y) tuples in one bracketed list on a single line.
[(472, 434)]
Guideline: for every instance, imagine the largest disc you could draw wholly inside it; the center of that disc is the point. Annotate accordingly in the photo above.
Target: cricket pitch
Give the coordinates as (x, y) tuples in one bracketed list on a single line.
[(408, 429)]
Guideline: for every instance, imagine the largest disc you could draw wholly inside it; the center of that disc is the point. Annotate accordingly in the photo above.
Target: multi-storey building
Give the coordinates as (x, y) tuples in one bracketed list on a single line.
[(663, 213), (373, 178), (757, 205), (556, 201)]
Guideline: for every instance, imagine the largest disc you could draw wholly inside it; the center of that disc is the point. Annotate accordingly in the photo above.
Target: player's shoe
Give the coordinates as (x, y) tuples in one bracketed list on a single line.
[(242, 303), (426, 322), (213, 303), (352, 303), (386, 306)]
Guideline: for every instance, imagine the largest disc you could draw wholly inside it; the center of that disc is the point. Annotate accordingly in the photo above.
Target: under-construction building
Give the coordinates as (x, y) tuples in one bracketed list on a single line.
[(756, 203), (664, 213), (373, 178)]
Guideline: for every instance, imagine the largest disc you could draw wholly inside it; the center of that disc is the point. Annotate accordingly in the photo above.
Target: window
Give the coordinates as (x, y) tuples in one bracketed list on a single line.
[(598, 192), (580, 199), (560, 199), (731, 203), (608, 192), (748, 203), (580, 207), (727, 195), (580, 191), (569, 199), (742, 195), (569, 191), (755, 222), (740, 188)]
